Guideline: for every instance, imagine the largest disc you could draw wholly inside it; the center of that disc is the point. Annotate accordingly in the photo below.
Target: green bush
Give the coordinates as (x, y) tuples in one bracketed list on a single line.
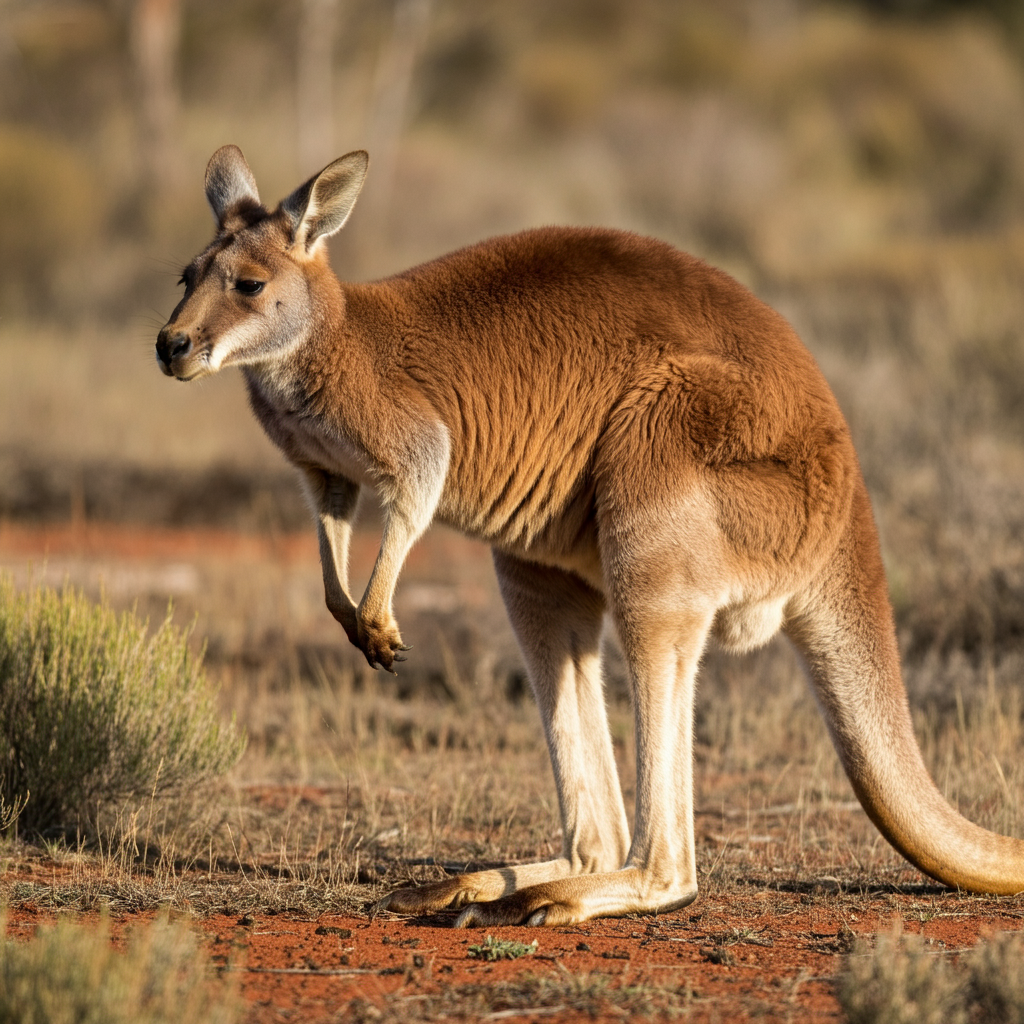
[(94, 709), (70, 974)]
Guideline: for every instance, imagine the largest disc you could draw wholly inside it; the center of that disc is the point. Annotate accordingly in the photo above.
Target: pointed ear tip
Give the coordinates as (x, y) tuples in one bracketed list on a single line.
[(351, 166), (230, 152)]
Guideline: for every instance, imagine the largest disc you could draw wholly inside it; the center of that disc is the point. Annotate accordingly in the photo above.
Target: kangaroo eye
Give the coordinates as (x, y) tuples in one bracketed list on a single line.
[(247, 287)]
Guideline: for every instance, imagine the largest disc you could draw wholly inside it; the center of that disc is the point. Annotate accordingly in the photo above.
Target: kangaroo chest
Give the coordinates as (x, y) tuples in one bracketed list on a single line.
[(303, 435)]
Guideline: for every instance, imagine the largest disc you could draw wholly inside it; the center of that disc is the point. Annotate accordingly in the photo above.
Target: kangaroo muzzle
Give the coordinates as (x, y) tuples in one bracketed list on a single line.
[(171, 346)]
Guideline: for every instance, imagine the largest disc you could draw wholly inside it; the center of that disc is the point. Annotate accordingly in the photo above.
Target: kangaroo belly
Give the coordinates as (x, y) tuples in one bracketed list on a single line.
[(746, 626)]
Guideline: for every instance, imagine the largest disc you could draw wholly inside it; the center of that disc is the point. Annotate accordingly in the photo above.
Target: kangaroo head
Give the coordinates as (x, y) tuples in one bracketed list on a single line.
[(250, 294)]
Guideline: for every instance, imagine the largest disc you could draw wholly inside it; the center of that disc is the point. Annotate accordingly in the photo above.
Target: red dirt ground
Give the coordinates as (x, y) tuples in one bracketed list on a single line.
[(745, 953), (110, 541), (744, 957), (676, 950)]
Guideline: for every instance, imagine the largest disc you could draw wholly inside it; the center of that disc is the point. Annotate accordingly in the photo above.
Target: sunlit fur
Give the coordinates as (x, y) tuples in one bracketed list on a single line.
[(642, 442)]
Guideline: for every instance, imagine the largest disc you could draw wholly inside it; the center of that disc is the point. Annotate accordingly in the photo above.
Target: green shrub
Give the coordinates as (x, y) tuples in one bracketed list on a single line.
[(70, 974), (94, 709)]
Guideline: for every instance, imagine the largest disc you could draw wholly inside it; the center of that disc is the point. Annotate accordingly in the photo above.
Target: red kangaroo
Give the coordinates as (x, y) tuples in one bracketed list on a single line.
[(639, 439)]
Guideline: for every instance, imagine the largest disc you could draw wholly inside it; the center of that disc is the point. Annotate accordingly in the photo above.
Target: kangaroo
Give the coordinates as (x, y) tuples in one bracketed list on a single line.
[(638, 438)]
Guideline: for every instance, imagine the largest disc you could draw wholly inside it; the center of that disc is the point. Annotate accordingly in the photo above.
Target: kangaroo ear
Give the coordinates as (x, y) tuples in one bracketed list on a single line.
[(322, 205), (229, 183)]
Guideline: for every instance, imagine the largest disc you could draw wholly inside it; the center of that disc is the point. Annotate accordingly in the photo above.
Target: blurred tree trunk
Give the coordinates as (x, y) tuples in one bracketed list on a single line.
[(154, 34), (314, 85), (392, 88)]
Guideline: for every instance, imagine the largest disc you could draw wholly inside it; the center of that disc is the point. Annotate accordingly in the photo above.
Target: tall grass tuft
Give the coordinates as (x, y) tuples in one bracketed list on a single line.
[(95, 709), (901, 982), (70, 974), (996, 990)]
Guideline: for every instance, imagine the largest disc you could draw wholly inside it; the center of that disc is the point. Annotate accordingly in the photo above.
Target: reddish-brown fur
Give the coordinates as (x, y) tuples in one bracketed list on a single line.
[(641, 440)]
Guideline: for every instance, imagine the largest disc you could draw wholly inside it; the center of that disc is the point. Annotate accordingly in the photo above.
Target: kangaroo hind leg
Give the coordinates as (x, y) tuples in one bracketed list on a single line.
[(557, 620), (663, 634)]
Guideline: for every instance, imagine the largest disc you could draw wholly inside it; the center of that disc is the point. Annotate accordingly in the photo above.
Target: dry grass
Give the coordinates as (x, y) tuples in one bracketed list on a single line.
[(344, 792), (592, 994), (71, 974), (354, 782), (901, 981), (500, 949), (94, 396)]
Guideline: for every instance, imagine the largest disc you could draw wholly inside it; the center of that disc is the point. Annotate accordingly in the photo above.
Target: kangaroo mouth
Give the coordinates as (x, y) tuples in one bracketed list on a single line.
[(185, 375), (183, 367)]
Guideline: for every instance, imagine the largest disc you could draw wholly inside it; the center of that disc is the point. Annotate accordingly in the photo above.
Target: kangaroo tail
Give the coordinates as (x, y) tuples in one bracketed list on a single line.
[(843, 625)]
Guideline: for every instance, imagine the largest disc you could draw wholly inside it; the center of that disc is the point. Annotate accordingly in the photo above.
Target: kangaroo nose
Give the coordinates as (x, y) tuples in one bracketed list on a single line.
[(169, 345)]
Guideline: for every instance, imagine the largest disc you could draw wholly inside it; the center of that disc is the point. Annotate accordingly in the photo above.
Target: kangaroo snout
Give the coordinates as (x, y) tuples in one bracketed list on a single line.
[(170, 345)]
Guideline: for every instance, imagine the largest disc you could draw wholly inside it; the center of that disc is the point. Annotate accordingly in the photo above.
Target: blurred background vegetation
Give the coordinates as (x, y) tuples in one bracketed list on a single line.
[(859, 165), (785, 139)]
